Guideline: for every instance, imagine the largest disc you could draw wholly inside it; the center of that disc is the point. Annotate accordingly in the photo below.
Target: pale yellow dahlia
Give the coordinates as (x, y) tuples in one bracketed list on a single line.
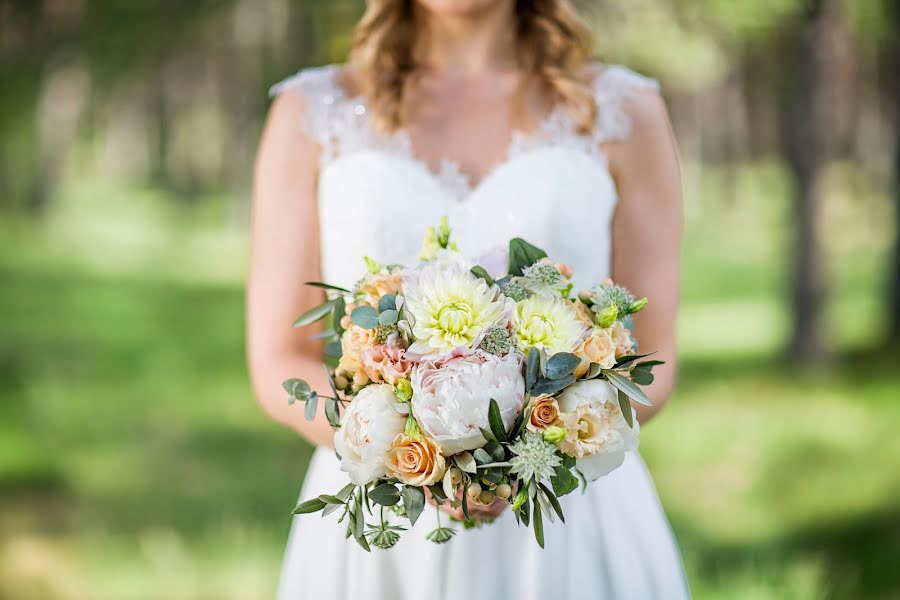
[(548, 322)]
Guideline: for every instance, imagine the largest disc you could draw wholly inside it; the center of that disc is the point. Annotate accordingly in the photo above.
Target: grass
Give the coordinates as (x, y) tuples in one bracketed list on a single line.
[(135, 464)]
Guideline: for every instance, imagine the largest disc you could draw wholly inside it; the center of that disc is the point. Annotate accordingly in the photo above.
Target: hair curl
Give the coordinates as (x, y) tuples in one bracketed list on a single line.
[(554, 44)]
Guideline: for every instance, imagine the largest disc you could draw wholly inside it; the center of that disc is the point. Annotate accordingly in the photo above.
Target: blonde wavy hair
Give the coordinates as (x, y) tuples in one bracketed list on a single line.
[(554, 44)]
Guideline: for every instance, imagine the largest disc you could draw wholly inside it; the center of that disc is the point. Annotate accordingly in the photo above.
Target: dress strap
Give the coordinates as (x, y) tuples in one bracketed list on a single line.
[(612, 86)]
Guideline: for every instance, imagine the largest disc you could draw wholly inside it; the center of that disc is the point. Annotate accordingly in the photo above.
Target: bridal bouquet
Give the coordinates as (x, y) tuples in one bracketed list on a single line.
[(452, 384)]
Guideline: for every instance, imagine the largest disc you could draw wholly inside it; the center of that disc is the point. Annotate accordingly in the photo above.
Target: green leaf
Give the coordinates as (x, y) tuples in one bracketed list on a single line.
[(314, 314), (388, 317), (495, 450), (625, 406), (532, 369), (340, 309), (385, 494), (310, 506), (333, 413), (479, 272), (413, 502), (538, 522), (594, 369), (554, 502), (551, 386), (522, 254), (311, 403), (563, 481), (466, 462), (387, 302), (494, 475), (298, 389), (334, 349), (365, 316), (561, 364), (437, 493), (624, 361), (641, 376), (481, 456), (329, 499), (626, 385), (328, 286), (496, 421)]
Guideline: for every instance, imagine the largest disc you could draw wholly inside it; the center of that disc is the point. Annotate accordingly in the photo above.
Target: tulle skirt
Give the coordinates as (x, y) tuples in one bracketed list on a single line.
[(616, 543)]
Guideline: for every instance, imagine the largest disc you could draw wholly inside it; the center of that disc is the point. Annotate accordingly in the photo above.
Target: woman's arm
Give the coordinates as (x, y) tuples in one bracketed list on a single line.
[(284, 255), (647, 234)]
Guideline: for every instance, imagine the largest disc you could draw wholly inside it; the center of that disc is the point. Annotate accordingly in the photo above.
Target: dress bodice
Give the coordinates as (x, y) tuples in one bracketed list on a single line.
[(375, 197)]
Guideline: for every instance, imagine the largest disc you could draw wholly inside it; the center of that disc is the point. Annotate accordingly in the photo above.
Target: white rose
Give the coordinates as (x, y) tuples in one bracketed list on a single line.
[(451, 399), (597, 434), (367, 431)]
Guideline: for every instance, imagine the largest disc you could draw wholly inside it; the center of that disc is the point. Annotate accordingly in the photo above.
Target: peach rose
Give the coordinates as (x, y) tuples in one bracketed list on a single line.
[(584, 313), (385, 363), (415, 462), (621, 338), (354, 341), (373, 287), (544, 413), (598, 347)]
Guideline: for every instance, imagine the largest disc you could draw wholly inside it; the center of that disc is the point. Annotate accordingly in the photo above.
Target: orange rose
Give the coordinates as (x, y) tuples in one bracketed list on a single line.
[(415, 462), (599, 348), (544, 413)]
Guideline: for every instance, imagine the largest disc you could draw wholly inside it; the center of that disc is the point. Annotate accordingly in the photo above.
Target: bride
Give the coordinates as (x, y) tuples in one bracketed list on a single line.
[(490, 112)]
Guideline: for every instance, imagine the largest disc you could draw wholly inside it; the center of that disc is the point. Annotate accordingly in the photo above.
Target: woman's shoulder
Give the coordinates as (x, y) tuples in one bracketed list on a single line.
[(628, 102)]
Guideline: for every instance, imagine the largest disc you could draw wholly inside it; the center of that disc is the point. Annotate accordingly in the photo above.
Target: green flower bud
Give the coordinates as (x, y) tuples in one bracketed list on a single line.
[(443, 236), (637, 305), (430, 245), (412, 428), (555, 434), (607, 316), (372, 266), (521, 497), (403, 390)]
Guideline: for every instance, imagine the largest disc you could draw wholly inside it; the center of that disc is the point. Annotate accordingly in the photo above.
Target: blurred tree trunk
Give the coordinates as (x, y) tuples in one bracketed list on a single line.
[(893, 68), (803, 128)]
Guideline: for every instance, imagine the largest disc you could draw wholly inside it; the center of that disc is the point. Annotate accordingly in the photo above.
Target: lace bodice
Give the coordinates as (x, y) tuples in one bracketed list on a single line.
[(376, 197)]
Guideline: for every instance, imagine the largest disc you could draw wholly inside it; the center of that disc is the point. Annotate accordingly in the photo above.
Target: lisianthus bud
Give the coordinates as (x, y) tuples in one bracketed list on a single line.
[(637, 305), (403, 390), (607, 316), (412, 428), (521, 497), (554, 434), (372, 265)]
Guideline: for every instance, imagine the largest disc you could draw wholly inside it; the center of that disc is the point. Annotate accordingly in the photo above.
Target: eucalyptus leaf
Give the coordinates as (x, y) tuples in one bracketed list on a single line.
[(333, 413), (413, 502), (333, 349), (551, 386), (385, 494), (298, 389), (532, 369), (641, 376), (496, 421), (626, 385), (314, 314), (387, 302), (388, 317), (481, 456), (365, 316), (561, 364), (311, 403), (522, 255)]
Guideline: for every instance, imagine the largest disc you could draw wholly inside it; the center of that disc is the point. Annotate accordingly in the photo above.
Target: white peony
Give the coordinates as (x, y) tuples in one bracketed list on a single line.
[(451, 399), (596, 432), (450, 309), (367, 430)]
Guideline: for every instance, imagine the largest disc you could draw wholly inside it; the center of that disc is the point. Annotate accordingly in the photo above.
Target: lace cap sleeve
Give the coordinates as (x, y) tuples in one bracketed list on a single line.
[(612, 86), (323, 98)]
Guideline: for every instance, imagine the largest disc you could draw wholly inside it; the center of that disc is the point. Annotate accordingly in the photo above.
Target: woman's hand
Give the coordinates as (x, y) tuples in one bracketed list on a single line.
[(477, 510)]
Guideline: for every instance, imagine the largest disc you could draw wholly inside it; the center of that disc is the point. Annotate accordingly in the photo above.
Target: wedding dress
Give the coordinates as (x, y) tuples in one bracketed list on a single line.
[(553, 188)]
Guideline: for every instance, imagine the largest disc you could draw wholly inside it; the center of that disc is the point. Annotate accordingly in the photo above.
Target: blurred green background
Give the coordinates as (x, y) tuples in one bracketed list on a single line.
[(134, 462)]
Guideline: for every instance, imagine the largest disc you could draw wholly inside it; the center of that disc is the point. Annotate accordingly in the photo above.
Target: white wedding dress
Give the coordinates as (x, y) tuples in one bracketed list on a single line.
[(553, 189)]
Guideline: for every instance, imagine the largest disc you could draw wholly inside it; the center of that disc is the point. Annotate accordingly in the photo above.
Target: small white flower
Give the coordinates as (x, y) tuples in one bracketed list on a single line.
[(367, 430), (548, 322), (596, 432), (451, 399)]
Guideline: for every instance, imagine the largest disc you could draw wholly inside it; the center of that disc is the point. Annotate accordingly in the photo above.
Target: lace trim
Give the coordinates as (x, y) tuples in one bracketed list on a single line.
[(340, 124)]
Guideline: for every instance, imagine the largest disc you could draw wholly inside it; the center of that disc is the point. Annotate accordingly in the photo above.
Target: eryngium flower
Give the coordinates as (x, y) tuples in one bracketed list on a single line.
[(498, 342), (607, 294), (533, 457), (451, 308), (542, 277)]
